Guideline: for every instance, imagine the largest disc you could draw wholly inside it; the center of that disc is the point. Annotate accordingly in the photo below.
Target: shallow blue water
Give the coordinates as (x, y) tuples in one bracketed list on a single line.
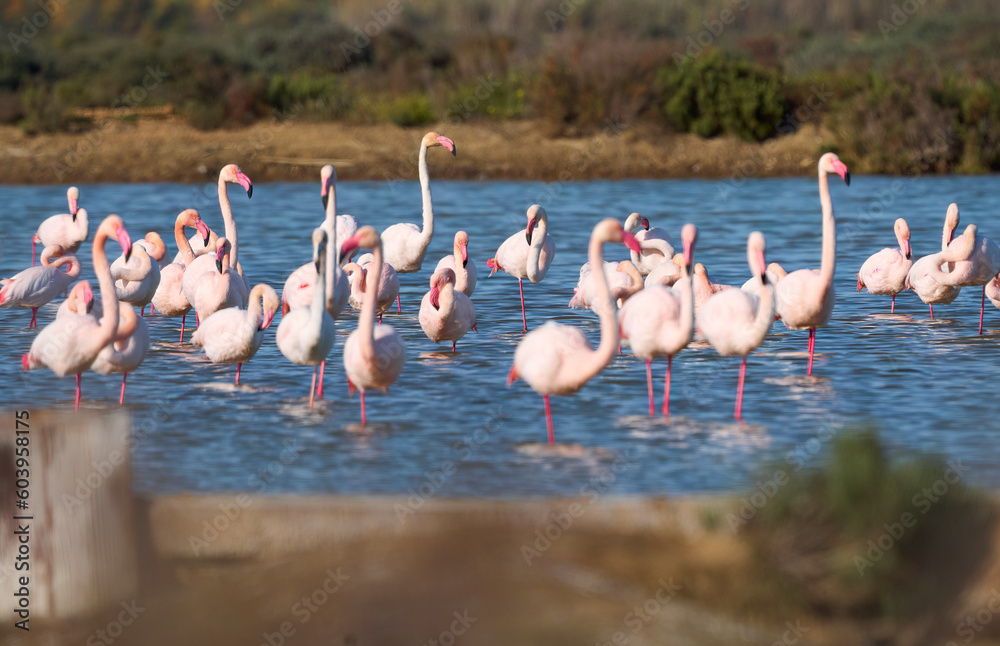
[(451, 426)]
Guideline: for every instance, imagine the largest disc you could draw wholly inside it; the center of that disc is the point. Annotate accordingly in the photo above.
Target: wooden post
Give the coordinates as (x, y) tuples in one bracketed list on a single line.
[(79, 515)]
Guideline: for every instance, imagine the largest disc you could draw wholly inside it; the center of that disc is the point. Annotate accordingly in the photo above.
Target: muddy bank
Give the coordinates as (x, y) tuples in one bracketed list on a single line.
[(168, 150)]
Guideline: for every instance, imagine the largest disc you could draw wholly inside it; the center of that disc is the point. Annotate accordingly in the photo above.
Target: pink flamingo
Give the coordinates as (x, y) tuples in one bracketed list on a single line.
[(528, 256), (386, 293), (219, 289), (155, 247), (885, 272), (68, 230), (446, 313), (659, 321), (806, 298), (556, 359), (623, 279), (307, 334), (774, 273), (737, 322), (136, 280), (169, 298), (36, 286), (465, 272), (70, 344), (655, 243), (373, 356), (929, 290), (666, 273), (405, 244), (128, 349), (80, 302), (234, 335)]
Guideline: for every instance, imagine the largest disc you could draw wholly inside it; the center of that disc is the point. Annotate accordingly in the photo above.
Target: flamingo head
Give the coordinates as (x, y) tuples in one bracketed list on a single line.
[(630, 241), (903, 236), (231, 173), (535, 213), (73, 195), (203, 230), (114, 224), (328, 177), (951, 220), (365, 238), (221, 248), (830, 163), (755, 255), (689, 236), (87, 294), (440, 278), (434, 139), (462, 247), (493, 265), (644, 222)]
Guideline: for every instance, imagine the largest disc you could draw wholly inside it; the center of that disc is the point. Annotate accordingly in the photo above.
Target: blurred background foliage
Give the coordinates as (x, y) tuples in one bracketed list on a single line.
[(903, 87)]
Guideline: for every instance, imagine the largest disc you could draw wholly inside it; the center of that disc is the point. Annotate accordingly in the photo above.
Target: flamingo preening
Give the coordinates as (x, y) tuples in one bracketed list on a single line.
[(527, 254)]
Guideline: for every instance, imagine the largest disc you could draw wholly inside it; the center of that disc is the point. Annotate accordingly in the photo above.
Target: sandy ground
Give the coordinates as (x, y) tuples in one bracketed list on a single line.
[(157, 150)]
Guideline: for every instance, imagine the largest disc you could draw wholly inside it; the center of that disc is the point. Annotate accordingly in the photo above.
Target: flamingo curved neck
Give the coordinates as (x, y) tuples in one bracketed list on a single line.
[(687, 303), (534, 271), (183, 244), (109, 298), (141, 270), (75, 268), (255, 311), (594, 362), (461, 271), (828, 264), (128, 321), (427, 230), (366, 322), (227, 216), (446, 301), (332, 248)]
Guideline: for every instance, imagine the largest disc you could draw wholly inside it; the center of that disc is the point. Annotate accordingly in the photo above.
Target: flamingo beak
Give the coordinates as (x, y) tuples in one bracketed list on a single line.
[(512, 376), (907, 250), (203, 229), (245, 182), (763, 266), (688, 255), (448, 144), (125, 241), (436, 297), (492, 264), (630, 241), (219, 253), (88, 298), (268, 317), (465, 254), (841, 170), (527, 232), (645, 223), (73, 208), (349, 246)]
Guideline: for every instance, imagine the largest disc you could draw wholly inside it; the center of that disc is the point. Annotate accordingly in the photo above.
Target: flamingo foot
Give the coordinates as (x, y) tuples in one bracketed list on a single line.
[(812, 351), (239, 366), (399, 308), (548, 420), (739, 389), (319, 386), (524, 317), (666, 387), (649, 386), (121, 397), (76, 403), (362, 407), (350, 387)]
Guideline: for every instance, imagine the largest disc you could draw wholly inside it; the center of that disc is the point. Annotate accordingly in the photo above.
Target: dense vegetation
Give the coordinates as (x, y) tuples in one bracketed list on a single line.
[(903, 87)]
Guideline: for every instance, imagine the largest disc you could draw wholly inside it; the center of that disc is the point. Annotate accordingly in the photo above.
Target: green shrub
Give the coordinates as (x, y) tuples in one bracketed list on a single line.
[(43, 111), (310, 97), (409, 111), (490, 97), (713, 94)]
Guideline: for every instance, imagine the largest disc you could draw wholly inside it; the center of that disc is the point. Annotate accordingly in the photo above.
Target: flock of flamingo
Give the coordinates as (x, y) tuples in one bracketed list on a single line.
[(656, 302)]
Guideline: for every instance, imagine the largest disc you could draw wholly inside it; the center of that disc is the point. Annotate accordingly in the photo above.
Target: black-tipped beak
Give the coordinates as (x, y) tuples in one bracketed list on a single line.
[(250, 192), (74, 217), (454, 151), (316, 262), (465, 263), (128, 254), (218, 265), (527, 236), (847, 178), (326, 198), (206, 239)]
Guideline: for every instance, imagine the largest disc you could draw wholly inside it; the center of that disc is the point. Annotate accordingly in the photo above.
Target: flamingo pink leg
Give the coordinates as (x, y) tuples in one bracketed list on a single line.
[(666, 387), (399, 307), (197, 323), (34, 323), (362, 407), (32, 251), (453, 347), (548, 420), (812, 350), (649, 386), (739, 388), (239, 366), (319, 386), (312, 387), (152, 309), (932, 312), (982, 306), (893, 309), (183, 321), (524, 317), (76, 404), (121, 397), (380, 319)]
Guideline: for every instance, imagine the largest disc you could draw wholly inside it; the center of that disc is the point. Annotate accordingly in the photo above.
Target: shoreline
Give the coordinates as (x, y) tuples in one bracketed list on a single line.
[(168, 150)]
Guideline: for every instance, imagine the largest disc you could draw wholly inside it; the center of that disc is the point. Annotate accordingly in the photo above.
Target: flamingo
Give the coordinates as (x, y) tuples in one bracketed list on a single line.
[(136, 280), (155, 247), (306, 334), (386, 293), (373, 358), (36, 286), (737, 322), (622, 277), (298, 288), (805, 298), (69, 345), (80, 301), (666, 273), (169, 298), (656, 245), (928, 289), (446, 313), (885, 272), (199, 246), (128, 349), (556, 359), (528, 256), (68, 230), (218, 289), (774, 273), (659, 321), (234, 335), (465, 276), (405, 244)]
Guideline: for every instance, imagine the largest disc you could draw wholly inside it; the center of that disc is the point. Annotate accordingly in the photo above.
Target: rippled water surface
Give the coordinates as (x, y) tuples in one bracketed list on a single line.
[(450, 425)]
